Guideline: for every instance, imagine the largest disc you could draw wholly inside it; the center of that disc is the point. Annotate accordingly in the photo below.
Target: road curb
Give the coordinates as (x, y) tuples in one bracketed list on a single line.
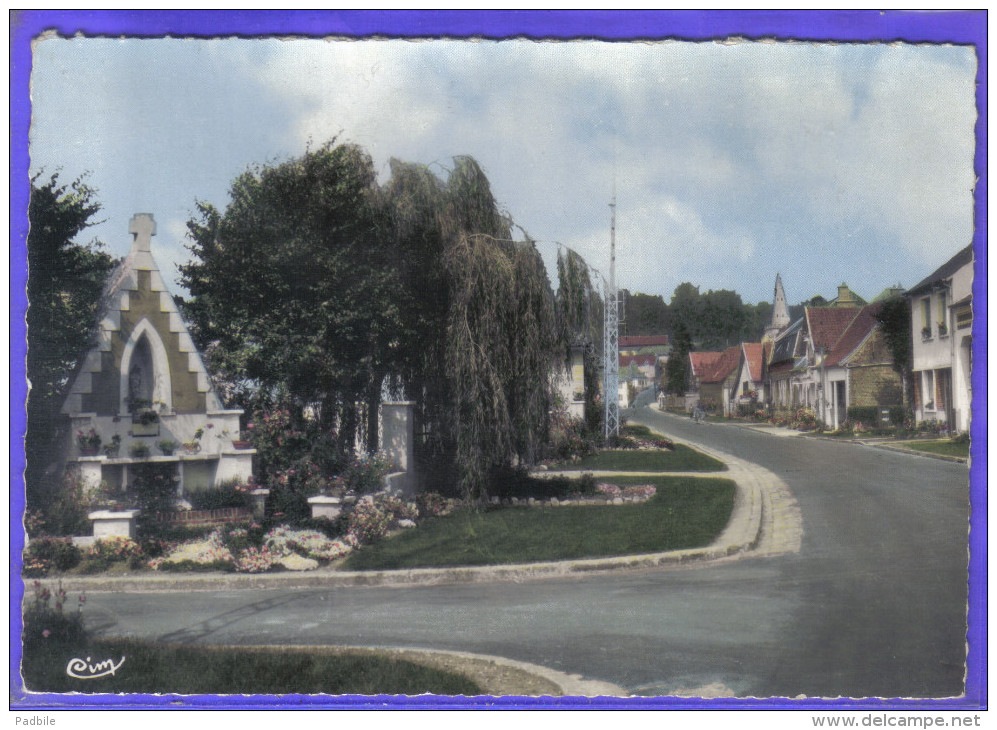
[(477, 667), (741, 535), (913, 452)]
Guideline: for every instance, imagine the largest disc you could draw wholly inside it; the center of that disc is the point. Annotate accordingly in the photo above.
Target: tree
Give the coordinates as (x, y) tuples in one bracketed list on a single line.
[(677, 369), (65, 280), (580, 316), (723, 321), (895, 318), (645, 314), (316, 285), (291, 287)]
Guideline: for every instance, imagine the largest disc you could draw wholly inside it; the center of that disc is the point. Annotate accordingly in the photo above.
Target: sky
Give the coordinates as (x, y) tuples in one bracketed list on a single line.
[(731, 162)]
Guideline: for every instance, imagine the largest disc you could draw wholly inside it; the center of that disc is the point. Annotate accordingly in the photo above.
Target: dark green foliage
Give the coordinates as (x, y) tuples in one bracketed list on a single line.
[(292, 285), (677, 369), (645, 314), (509, 482), (866, 415), (681, 458), (155, 668), (315, 285), (65, 280), (44, 554), (685, 513), (67, 513), (154, 487), (895, 318), (224, 496)]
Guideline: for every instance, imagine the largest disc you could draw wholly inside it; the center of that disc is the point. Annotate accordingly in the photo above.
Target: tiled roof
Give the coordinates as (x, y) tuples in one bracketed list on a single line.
[(857, 331), (754, 355), (719, 368), (700, 361), (827, 324), (642, 341), (944, 271), (639, 360)]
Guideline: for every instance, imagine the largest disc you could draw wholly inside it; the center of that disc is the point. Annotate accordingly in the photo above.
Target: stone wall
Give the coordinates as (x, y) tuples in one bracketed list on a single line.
[(874, 385)]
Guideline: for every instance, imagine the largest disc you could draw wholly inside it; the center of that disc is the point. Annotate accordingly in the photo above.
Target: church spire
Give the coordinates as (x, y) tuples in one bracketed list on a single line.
[(780, 312)]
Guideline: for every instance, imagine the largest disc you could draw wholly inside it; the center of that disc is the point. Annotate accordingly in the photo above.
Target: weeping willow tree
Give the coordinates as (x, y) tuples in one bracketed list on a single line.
[(580, 319), (482, 380)]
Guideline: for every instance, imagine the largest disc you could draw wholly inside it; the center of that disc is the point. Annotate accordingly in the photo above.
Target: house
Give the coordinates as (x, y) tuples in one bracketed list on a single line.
[(857, 371), (656, 345), (142, 392), (713, 377), (749, 386), (636, 373), (831, 359), (942, 332), (569, 376)]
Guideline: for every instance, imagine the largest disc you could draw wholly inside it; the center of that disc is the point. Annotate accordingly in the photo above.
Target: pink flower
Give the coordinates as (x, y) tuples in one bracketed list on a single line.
[(250, 425), (46, 633)]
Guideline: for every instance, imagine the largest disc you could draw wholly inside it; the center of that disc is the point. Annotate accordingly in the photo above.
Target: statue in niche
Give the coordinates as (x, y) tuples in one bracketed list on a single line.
[(140, 378)]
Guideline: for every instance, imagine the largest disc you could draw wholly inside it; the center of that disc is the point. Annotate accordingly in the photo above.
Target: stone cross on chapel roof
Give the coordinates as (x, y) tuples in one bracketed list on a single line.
[(142, 228)]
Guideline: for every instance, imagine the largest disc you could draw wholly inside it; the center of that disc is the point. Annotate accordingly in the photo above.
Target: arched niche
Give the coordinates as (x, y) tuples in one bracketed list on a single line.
[(145, 369)]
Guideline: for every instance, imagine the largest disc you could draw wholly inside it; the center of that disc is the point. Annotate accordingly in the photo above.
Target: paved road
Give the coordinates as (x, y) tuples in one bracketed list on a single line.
[(873, 604)]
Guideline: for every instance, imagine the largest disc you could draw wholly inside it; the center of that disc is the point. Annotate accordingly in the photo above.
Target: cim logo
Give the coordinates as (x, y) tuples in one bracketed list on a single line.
[(80, 669)]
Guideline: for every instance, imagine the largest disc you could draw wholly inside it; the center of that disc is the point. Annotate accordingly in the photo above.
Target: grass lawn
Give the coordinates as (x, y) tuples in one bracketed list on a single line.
[(151, 668), (946, 448), (681, 459), (686, 512)]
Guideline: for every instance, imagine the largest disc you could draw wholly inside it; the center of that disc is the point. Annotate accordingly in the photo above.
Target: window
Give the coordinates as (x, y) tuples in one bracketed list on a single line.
[(926, 314), (942, 314), (964, 317), (929, 389)]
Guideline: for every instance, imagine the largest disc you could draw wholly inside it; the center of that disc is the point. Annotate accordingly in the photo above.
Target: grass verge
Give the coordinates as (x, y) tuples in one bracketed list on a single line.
[(152, 668), (945, 448), (682, 458), (686, 512)]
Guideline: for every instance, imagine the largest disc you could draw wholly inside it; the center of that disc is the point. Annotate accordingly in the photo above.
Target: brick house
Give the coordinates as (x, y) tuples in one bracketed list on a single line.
[(713, 378)]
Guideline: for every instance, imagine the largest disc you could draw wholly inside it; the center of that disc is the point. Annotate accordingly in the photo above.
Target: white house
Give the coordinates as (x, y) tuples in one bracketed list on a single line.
[(942, 332)]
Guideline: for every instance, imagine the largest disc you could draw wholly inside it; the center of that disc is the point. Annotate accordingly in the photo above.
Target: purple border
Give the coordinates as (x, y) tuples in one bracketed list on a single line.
[(853, 25)]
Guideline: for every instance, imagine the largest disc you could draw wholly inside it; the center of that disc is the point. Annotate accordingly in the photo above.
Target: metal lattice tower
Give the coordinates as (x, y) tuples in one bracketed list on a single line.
[(610, 339)]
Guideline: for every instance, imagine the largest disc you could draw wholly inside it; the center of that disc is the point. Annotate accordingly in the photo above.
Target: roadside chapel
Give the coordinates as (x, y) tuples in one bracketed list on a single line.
[(141, 396)]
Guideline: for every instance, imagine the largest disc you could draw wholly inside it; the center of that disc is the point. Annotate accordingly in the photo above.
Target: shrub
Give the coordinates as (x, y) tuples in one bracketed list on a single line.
[(432, 504), (115, 548), (230, 494), (568, 438), (45, 626), (75, 500), (207, 554), (804, 420), (283, 541), (256, 560), (368, 522), (50, 553), (365, 475)]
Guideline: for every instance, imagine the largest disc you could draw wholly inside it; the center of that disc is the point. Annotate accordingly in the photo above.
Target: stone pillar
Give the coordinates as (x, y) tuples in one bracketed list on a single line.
[(113, 524), (327, 507), (398, 439), (90, 470)]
